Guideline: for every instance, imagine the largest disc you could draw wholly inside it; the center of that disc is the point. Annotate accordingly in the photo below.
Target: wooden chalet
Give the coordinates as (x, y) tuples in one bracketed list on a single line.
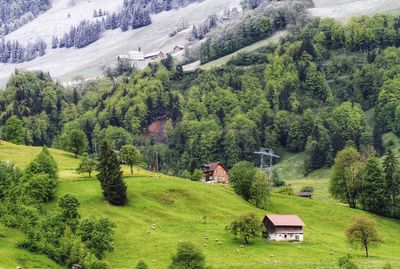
[(283, 228), (155, 56), (215, 173)]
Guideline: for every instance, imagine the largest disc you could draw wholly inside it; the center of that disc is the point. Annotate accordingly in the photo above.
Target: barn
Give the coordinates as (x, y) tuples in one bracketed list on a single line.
[(283, 228), (215, 172)]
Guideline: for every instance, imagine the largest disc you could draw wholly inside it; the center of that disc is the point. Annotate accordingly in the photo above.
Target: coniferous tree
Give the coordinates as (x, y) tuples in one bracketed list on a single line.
[(377, 139), (390, 167), (374, 196), (110, 177)]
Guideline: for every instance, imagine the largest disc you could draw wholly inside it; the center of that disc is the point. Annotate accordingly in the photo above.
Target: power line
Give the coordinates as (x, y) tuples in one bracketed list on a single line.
[(264, 152)]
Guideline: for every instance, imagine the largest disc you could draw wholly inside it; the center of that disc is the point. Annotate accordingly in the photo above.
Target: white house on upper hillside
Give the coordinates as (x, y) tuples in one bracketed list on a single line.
[(136, 55), (283, 228)]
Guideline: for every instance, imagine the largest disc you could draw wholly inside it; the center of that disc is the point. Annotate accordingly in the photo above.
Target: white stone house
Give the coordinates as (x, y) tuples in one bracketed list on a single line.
[(283, 228), (136, 55)]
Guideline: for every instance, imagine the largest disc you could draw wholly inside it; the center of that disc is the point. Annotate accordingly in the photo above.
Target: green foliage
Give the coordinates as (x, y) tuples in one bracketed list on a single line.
[(110, 177), (247, 226), (286, 190), (9, 175), (196, 175), (97, 235), (345, 262), (363, 232), (188, 256), (392, 176), (260, 188), (345, 181), (307, 189), (14, 131), (130, 155), (73, 139), (374, 196), (256, 25), (141, 265), (87, 165), (41, 177), (241, 176), (69, 205)]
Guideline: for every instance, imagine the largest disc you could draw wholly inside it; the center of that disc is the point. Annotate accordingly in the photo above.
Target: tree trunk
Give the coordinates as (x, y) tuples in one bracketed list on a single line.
[(366, 251), (245, 240), (131, 169)]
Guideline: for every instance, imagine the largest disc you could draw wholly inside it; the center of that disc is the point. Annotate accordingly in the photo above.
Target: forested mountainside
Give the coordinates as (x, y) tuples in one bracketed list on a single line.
[(15, 13), (310, 94)]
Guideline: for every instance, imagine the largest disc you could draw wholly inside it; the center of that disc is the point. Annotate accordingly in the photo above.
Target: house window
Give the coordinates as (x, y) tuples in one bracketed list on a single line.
[(285, 236)]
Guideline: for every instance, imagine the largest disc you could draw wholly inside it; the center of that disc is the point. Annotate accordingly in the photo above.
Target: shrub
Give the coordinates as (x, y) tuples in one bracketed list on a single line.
[(278, 182), (141, 265), (188, 256), (307, 189), (287, 190), (345, 262)]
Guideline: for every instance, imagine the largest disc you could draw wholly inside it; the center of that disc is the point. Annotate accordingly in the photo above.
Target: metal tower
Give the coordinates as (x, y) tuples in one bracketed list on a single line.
[(263, 152)]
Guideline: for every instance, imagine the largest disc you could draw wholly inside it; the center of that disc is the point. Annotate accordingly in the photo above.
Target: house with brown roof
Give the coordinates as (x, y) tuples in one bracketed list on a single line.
[(283, 228), (215, 172), (155, 56)]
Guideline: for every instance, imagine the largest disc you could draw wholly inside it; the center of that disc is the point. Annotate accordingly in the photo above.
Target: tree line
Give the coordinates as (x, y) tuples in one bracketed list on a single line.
[(60, 233), (14, 14), (14, 52), (362, 179), (252, 25)]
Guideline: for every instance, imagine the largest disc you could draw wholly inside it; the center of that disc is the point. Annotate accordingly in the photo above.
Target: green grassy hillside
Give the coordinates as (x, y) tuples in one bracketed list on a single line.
[(177, 207)]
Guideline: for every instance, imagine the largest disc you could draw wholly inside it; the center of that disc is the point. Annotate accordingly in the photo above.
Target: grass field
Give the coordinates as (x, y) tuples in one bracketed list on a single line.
[(177, 207)]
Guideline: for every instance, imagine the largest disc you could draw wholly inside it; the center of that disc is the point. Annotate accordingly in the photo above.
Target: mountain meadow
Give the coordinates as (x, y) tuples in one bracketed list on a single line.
[(112, 172)]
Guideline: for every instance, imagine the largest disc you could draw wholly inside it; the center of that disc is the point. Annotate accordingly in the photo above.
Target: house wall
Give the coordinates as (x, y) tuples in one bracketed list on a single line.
[(286, 237), (220, 174)]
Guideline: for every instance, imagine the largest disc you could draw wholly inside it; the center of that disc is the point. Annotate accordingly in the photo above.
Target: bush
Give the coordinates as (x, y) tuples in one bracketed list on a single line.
[(287, 190), (278, 182), (345, 262), (188, 256), (141, 265), (307, 189)]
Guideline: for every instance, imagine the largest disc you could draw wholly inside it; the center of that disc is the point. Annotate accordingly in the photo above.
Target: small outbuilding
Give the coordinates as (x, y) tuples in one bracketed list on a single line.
[(155, 56), (283, 228), (178, 48), (305, 194), (215, 172)]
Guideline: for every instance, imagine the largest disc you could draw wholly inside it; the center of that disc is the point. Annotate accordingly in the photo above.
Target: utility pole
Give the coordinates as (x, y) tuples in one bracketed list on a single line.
[(263, 152)]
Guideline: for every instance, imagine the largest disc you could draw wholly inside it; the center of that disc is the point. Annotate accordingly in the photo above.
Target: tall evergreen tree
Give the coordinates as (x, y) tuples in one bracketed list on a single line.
[(390, 167), (110, 177), (373, 194)]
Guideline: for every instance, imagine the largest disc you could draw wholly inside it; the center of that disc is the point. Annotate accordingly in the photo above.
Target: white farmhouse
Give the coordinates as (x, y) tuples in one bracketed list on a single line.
[(283, 228), (136, 55)]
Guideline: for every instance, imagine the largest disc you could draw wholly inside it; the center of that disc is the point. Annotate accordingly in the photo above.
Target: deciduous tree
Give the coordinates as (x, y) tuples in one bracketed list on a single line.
[(363, 232)]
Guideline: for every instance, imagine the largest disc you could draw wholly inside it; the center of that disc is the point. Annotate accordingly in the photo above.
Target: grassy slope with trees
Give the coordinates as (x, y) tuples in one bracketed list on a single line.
[(177, 208)]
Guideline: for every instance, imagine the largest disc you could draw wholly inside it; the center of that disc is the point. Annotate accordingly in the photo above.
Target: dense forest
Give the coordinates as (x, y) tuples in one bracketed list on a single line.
[(16, 13), (259, 20)]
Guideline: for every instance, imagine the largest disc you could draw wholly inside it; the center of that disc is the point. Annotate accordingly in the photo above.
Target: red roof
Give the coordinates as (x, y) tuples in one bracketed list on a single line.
[(210, 167), (285, 220)]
